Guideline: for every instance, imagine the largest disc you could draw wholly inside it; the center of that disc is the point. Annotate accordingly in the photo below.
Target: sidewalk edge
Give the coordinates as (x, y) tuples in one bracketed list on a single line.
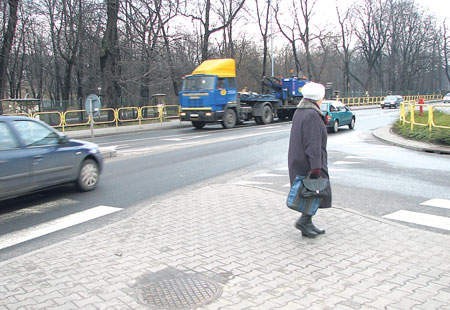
[(385, 134)]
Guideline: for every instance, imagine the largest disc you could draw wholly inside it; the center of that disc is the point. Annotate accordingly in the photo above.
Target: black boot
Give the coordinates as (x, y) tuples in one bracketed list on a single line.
[(304, 224), (317, 230)]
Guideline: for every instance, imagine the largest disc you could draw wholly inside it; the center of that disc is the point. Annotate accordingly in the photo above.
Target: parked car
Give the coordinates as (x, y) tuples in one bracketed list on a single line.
[(446, 98), (392, 101), (337, 114), (34, 156)]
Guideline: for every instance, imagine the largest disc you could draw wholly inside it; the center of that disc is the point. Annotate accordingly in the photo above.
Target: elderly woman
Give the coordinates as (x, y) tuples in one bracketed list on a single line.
[(308, 149)]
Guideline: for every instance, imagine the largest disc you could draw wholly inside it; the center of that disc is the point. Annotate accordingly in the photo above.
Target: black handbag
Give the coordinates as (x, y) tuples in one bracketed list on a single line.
[(314, 188)]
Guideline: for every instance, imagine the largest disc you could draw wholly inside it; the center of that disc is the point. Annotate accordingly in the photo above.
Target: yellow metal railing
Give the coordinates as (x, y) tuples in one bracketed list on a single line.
[(409, 109), (80, 118), (361, 101)]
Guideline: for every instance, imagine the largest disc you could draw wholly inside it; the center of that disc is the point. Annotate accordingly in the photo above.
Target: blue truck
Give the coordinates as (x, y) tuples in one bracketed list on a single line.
[(210, 95)]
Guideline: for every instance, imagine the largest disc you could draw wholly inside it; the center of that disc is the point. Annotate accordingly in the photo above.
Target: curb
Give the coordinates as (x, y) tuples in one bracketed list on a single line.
[(101, 132), (385, 134)]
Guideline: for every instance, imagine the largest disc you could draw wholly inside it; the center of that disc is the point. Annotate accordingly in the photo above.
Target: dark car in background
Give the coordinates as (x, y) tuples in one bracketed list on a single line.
[(337, 115), (391, 101), (34, 156), (446, 98)]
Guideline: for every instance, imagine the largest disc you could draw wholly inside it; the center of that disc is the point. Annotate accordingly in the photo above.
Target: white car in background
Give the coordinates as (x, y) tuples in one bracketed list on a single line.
[(446, 98)]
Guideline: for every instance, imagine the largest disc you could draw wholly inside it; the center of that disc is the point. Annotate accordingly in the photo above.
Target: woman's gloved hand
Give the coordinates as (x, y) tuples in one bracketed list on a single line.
[(314, 173)]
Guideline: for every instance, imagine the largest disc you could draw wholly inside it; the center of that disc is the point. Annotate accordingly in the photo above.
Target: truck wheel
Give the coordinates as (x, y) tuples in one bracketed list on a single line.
[(267, 117), (229, 119), (282, 115), (198, 125)]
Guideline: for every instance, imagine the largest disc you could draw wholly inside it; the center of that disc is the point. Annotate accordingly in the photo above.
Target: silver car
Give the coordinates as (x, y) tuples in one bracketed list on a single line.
[(446, 98), (391, 101)]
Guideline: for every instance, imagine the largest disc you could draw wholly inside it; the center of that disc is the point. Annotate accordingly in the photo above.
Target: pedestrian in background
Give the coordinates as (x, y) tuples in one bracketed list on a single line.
[(308, 149)]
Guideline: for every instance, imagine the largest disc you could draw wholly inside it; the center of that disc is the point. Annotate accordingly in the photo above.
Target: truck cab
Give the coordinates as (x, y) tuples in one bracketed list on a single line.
[(209, 94)]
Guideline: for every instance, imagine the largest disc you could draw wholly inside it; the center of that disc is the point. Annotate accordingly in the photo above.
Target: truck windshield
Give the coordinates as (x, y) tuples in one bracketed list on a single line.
[(198, 83)]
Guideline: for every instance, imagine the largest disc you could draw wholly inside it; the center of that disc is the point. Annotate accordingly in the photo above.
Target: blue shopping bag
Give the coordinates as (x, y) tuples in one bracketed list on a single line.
[(298, 203)]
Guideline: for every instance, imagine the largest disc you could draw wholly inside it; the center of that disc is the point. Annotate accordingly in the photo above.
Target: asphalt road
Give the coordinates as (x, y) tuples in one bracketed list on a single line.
[(366, 175)]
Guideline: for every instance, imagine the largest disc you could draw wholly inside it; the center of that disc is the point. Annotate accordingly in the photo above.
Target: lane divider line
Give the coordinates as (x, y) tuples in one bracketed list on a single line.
[(423, 219), (54, 225)]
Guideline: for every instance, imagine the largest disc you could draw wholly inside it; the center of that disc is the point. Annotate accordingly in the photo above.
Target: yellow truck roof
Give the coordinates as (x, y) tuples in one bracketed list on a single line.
[(220, 67)]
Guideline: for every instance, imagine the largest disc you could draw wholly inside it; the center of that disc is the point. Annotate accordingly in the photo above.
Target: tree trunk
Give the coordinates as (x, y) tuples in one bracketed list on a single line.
[(109, 57), (6, 46)]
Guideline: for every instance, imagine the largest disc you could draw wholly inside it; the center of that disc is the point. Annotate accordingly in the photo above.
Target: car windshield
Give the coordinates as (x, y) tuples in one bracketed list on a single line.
[(324, 107), (391, 98), (198, 83)]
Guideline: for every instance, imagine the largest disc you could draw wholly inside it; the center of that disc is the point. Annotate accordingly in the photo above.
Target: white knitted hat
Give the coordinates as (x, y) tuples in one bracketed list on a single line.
[(313, 91)]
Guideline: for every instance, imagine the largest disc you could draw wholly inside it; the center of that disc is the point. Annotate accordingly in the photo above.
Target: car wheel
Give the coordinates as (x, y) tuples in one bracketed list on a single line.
[(88, 176), (352, 123), (335, 126)]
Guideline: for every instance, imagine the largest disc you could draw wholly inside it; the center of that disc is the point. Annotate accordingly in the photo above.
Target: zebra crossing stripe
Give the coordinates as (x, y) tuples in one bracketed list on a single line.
[(438, 203), (54, 225), (423, 219)]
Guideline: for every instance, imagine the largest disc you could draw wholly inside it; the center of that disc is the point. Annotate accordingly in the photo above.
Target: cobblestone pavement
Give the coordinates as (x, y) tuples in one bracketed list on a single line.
[(225, 246)]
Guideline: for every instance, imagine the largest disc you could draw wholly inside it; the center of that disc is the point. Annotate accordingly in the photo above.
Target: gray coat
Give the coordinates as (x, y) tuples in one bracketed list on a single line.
[(308, 146)]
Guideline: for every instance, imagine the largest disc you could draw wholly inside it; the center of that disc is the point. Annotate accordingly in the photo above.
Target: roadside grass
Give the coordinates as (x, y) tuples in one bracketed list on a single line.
[(422, 133)]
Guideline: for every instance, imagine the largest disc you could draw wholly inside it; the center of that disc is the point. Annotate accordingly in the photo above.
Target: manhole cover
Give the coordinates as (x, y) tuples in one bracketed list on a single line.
[(174, 289)]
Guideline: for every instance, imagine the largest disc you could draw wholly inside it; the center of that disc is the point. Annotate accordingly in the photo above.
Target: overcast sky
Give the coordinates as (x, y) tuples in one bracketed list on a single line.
[(439, 8)]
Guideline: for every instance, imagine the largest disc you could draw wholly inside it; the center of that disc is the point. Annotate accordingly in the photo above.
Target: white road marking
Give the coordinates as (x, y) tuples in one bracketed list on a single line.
[(287, 185), (174, 139), (423, 219), (438, 203), (281, 169), (54, 225), (338, 169), (184, 144), (355, 157), (251, 183), (342, 162), (185, 138), (269, 127), (264, 175)]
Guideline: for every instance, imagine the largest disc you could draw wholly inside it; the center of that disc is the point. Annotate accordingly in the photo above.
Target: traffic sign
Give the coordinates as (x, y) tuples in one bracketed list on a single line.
[(93, 104)]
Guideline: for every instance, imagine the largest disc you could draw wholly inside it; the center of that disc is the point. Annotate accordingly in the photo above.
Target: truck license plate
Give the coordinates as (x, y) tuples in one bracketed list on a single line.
[(194, 115)]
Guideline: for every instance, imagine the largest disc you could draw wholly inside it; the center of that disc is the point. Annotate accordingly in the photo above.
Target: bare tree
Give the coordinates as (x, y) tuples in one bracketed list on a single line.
[(289, 32), (172, 8), (300, 29), (446, 50), (263, 15), (346, 33), (203, 13), (371, 29), (110, 56), (6, 44)]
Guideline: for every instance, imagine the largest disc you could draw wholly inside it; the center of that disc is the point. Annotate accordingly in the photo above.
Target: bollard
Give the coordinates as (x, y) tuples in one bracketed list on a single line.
[(421, 102)]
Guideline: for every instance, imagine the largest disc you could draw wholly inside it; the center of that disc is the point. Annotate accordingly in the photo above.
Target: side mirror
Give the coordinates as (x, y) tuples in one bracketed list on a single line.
[(63, 139)]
